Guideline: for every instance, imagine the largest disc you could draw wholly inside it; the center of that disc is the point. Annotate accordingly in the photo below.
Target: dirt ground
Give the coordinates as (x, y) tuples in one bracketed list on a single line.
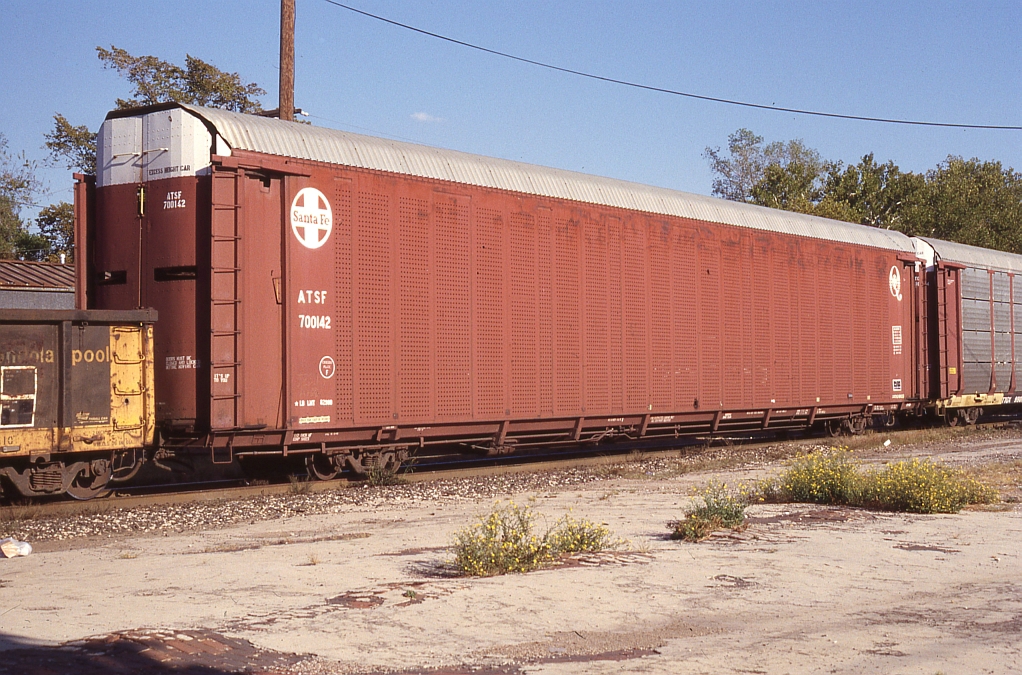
[(805, 589)]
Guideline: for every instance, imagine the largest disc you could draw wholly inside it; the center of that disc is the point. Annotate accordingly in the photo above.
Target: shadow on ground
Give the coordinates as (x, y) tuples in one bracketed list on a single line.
[(156, 652)]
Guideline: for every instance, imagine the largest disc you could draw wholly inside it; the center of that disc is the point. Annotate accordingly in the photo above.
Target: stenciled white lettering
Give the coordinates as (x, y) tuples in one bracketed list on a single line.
[(312, 297), (313, 321), (174, 200)]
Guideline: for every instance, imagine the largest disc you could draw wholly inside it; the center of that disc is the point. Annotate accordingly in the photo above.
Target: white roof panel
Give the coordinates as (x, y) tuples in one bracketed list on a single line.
[(301, 141), (974, 256)]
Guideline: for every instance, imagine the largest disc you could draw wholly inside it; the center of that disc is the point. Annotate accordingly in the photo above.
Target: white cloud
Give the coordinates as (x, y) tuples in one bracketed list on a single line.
[(426, 117)]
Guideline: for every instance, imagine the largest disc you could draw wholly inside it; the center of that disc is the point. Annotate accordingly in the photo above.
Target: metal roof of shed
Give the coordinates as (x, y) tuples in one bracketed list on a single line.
[(36, 276), (974, 256), (300, 141)]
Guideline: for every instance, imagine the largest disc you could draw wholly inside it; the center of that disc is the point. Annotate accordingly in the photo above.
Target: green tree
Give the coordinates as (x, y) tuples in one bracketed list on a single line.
[(743, 168), (794, 181), (18, 182), (968, 201), (752, 171), (31, 246), (972, 202), (869, 193), (56, 224), (199, 83), (10, 229), (74, 146), (153, 81)]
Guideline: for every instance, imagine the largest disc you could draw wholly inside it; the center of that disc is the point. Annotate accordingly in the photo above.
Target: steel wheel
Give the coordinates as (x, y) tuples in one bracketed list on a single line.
[(320, 467), (91, 482)]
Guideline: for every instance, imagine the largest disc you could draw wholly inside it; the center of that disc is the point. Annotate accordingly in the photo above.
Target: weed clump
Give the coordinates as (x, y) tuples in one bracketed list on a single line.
[(380, 476), (822, 477), (299, 485), (922, 486), (834, 477), (719, 508), (570, 535), (500, 543), (505, 542)]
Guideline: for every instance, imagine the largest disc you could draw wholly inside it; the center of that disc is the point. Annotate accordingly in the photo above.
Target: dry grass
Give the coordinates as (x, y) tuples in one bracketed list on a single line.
[(874, 440), (299, 485), (18, 513), (1006, 477), (228, 548), (639, 466)]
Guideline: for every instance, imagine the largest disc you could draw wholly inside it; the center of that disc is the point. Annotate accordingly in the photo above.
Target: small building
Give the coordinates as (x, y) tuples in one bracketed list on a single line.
[(36, 285)]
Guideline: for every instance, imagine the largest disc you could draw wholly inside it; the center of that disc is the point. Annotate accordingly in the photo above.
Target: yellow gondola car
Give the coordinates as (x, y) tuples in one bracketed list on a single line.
[(76, 399)]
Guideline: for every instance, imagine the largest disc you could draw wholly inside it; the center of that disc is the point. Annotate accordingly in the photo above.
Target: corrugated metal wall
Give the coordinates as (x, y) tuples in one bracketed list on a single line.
[(485, 305), (976, 329), (988, 361)]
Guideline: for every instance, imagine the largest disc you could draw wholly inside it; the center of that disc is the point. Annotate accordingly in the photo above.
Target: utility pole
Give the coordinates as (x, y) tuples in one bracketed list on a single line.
[(286, 108)]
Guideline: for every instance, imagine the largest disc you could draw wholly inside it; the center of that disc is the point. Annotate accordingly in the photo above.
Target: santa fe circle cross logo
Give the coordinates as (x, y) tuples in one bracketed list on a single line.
[(311, 218)]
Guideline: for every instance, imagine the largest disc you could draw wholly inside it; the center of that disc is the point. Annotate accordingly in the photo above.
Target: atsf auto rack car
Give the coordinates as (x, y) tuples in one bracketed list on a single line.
[(351, 297), (76, 397)]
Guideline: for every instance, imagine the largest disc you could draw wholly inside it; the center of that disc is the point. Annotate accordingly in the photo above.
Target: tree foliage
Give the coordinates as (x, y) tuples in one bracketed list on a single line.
[(18, 182), (869, 193), (199, 83), (968, 201), (153, 81), (74, 146), (749, 162), (793, 179), (56, 224), (972, 202), (736, 175)]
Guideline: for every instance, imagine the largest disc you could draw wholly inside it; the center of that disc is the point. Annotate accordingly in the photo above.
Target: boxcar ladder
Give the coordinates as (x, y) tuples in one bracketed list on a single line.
[(224, 302)]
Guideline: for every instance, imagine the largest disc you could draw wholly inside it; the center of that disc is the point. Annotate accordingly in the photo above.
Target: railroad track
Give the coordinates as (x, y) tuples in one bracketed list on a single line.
[(437, 468), (426, 469)]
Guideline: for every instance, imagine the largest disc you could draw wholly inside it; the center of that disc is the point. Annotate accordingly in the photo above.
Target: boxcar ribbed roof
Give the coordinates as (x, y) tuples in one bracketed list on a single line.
[(301, 141), (27, 275), (974, 256)]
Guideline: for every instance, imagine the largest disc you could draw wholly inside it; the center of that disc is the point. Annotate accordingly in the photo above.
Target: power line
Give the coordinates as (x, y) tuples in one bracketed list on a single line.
[(662, 90)]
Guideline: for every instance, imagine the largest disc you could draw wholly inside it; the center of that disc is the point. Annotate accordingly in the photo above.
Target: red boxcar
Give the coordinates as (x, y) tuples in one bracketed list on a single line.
[(325, 291)]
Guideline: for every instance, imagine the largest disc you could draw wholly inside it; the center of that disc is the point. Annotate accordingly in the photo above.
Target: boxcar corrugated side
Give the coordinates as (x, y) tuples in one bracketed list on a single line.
[(324, 290)]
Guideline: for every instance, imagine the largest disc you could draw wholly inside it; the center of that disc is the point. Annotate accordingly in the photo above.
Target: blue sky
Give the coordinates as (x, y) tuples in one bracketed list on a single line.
[(952, 61)]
